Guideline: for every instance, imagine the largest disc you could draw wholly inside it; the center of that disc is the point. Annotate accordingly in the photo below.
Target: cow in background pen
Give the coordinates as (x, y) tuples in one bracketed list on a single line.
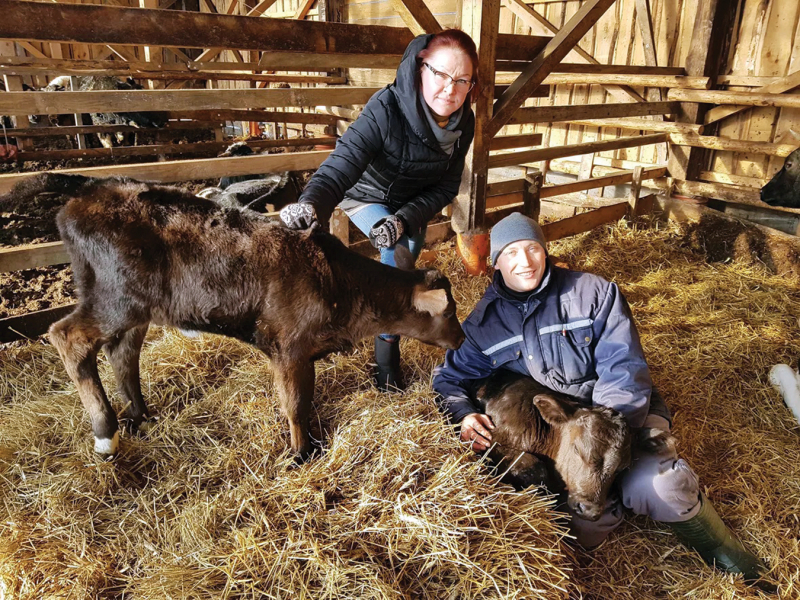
[(784, 188), (151, 119)]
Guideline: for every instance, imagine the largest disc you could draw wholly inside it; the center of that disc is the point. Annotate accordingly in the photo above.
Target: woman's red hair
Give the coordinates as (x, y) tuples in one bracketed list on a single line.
[(455, 39)]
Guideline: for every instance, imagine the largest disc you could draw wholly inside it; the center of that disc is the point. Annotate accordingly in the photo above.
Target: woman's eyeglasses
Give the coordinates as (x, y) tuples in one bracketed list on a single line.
[(443, 79)]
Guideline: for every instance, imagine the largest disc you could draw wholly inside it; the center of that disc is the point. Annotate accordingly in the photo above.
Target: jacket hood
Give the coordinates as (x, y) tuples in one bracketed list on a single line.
[(409, 97)]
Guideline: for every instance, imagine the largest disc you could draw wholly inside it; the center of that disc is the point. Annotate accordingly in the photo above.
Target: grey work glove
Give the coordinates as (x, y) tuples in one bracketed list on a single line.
[(298, 215), (386, 232)]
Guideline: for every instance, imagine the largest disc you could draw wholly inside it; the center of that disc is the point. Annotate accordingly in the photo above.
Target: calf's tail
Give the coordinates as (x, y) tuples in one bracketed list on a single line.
[(62, 184)]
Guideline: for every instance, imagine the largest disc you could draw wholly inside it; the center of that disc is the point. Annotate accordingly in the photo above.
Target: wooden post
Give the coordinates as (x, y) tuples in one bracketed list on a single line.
[(707, 57), (339, 226), (79, 138), (531, 203), (636, 188), (648, 42), (416, 16), (480, 20)]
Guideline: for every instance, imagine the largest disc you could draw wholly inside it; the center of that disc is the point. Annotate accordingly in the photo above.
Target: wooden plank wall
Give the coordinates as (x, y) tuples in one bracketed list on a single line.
[(767, 45), (614, 40)]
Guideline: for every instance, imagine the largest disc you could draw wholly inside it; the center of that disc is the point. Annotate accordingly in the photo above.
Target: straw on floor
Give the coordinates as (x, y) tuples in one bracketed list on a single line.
[(209, 504)]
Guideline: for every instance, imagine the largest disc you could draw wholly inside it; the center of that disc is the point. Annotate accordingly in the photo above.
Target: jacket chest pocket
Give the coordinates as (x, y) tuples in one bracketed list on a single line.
[(572, 346), (503, 357)]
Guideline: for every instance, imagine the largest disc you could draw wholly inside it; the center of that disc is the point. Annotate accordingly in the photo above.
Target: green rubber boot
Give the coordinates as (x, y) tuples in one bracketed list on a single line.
[(719, 547)]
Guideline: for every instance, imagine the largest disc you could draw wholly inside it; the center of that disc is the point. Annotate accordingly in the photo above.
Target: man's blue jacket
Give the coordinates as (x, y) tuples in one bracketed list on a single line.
[(575, 334)]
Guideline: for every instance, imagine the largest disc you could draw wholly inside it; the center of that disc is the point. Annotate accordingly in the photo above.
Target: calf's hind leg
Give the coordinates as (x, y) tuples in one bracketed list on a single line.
[(78, 340), (123, 353), (295, 381)]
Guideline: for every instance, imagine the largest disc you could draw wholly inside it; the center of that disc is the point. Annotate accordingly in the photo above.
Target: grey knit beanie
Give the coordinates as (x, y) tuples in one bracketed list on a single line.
[(513, 228)]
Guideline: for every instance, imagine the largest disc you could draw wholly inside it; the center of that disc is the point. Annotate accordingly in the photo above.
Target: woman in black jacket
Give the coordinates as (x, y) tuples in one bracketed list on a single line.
[(401, 161)]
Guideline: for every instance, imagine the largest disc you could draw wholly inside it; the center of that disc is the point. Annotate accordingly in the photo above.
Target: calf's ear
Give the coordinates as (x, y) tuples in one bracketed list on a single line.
[(552, 410), (433, 302)]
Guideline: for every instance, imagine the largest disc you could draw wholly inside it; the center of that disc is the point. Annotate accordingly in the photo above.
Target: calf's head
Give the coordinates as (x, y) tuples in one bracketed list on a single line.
[(784, 188), (593, 444), (432, 318)]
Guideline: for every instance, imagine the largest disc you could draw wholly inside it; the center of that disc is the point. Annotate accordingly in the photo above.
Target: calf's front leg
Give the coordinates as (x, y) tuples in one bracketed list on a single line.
[(295, 381), (78, 339)]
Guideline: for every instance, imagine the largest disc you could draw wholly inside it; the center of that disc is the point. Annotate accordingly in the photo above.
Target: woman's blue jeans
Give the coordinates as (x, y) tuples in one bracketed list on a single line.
[(370, 214)]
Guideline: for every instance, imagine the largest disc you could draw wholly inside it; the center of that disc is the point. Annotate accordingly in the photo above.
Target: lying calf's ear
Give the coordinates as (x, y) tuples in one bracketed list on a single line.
[(433, 302), (551, 409)]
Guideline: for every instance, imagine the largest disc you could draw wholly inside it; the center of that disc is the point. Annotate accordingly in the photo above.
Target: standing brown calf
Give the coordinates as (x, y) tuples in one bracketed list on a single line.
[(146, 253), (545, 438)]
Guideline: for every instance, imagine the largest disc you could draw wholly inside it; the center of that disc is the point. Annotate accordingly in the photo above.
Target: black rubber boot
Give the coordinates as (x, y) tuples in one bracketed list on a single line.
[(387, 365), (719, 547)]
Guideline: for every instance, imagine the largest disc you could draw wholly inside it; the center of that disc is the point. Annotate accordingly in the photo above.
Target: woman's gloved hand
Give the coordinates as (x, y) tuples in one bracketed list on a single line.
[(386, 232), (298, 215)]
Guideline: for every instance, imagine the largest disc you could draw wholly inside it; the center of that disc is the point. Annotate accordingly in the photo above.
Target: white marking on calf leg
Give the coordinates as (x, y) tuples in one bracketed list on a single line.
[(106, 446)]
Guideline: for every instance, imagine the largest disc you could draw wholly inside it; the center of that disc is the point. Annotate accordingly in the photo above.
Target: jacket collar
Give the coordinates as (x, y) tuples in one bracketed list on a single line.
[(495, 291)]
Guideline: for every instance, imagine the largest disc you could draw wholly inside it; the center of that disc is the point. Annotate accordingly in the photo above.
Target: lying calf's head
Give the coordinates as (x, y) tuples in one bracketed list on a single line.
[(593, 446)]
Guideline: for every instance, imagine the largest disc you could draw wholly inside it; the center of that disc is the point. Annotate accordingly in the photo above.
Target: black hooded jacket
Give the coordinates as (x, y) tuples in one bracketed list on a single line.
[(389, 155)]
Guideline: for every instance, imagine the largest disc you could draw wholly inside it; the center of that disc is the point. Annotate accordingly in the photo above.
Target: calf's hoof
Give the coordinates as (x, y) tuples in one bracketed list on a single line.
[(138, 425), (107, 448)]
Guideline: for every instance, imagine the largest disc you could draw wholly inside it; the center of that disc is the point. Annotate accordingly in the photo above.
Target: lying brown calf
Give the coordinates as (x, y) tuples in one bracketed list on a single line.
[(146, 253), (542, 437)]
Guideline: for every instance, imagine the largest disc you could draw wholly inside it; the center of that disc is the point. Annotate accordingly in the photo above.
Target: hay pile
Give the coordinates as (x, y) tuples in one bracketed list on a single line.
[(209, 505)]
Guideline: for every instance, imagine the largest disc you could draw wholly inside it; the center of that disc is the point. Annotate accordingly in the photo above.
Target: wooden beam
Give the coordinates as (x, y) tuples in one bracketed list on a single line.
[(207, 148), (783, 84), (303, 8), (301, 61), (597, 182), (731, 145), (481, 19), (737, 98), (640, 125), (707, 56), (274, 61), (32, 325), (31, 256), (549, 114), (720, 191), (49, 103), (517, 158), (670, 81), (183, 29), (596, 69), (566, 39), (584, 222), (70, 130), (197, 75), (271, 116), (506, 142), (417, 16), (186, 170), (535, 20)]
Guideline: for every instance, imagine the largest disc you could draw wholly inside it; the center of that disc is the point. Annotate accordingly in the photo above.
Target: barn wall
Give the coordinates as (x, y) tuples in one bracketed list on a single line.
[(767, 44)]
